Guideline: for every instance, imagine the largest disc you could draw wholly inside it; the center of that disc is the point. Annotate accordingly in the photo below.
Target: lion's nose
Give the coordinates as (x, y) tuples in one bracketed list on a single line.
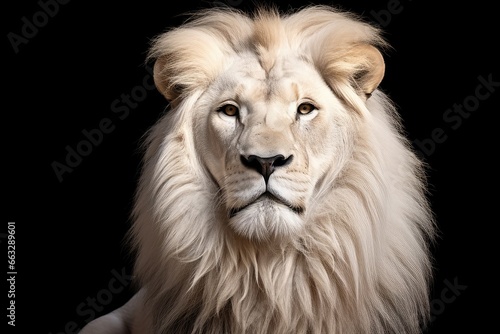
[(265, 166)]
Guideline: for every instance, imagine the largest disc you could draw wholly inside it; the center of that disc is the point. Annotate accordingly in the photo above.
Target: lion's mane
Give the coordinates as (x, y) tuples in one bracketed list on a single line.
[(361, 263)]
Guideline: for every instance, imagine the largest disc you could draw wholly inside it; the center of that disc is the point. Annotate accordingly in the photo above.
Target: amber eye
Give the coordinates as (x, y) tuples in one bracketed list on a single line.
[(305, 108), (229, 109)]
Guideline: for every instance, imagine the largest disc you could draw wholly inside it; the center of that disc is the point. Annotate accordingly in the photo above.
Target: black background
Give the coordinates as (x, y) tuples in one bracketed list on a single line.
[(63, 80)]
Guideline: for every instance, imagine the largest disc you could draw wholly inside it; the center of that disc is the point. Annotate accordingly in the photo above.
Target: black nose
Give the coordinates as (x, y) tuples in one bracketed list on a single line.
[(265, 166)]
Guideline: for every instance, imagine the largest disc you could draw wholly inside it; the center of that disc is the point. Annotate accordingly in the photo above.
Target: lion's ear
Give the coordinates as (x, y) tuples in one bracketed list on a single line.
[(161, 80), (371, 68), (185, 60), (361, 65)]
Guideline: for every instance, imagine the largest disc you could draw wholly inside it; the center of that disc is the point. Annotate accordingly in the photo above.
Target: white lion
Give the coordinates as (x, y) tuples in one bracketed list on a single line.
[(278, 194)]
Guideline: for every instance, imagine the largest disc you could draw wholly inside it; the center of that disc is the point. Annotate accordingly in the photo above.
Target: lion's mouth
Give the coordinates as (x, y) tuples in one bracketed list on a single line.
[(269, 196)]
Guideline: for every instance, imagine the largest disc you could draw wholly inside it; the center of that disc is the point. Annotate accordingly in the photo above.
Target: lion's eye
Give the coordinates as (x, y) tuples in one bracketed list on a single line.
[(305, 108), (229, 109)]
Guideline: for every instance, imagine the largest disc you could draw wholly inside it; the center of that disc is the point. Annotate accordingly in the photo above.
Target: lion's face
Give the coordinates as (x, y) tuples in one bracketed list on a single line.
[(270, 114), (266, 140)]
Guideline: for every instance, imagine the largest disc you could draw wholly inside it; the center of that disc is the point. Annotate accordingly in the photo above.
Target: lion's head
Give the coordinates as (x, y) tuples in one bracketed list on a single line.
[(278, 186)]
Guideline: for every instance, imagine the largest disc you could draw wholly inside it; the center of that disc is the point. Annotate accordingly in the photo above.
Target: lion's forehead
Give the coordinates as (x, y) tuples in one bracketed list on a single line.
[(285, 81)]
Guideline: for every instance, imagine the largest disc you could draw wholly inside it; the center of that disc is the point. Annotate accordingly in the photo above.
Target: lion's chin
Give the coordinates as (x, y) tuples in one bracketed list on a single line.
[(266, 218)]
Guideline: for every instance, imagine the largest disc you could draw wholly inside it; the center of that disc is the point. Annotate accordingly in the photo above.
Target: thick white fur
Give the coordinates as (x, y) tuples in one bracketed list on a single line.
[(355, 259)]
